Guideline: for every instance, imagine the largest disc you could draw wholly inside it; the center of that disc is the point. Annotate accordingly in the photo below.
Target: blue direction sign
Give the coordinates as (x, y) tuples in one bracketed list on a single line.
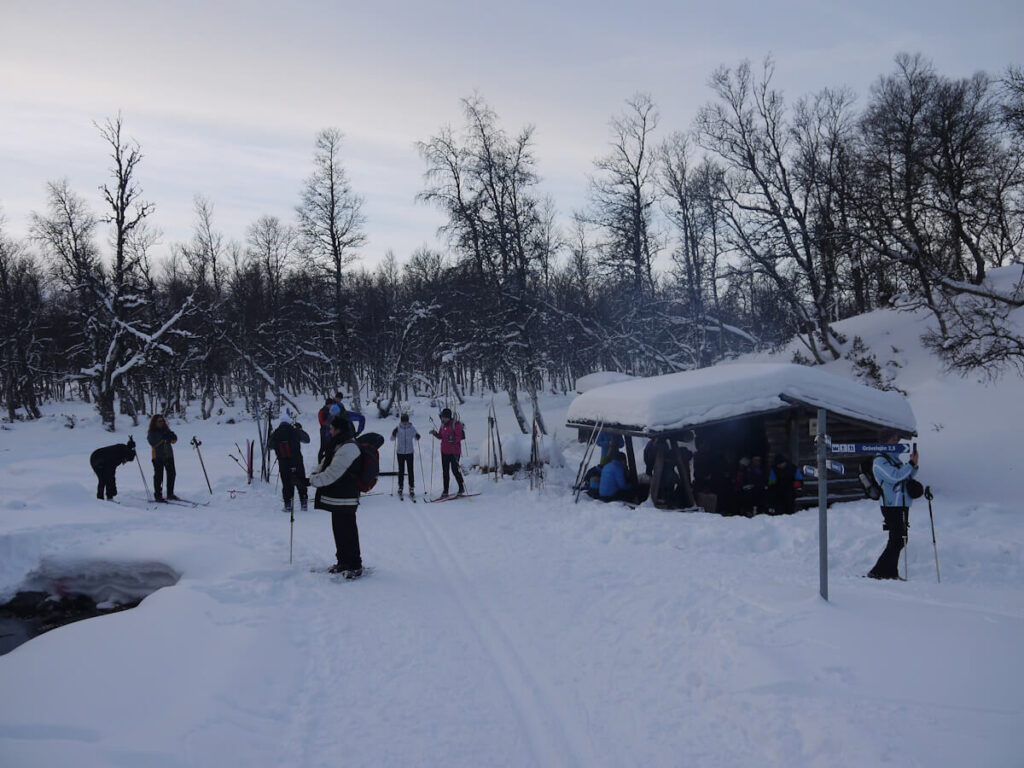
[(812, 471), (868, 448), (836, 466)]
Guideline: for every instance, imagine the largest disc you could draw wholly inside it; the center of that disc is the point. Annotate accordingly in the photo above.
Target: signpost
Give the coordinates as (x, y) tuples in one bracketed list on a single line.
[(822, 506)]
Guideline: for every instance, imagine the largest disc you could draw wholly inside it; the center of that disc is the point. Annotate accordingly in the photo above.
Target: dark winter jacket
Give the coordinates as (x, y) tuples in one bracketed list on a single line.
[(357, 420), (335, 478), (286, 440), (112, 456), (161, 440)]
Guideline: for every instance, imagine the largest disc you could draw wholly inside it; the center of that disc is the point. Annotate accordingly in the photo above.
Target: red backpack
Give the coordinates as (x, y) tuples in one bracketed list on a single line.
[(369, 462)]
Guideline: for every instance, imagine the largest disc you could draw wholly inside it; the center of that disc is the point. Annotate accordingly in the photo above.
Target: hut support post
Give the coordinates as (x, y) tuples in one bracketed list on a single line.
[(822, 507), (659, 469), (631, 455), (684, 473)]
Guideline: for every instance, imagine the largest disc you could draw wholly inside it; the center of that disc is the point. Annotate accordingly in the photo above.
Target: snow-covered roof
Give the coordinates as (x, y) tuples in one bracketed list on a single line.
[(600, 379), (684, 400)]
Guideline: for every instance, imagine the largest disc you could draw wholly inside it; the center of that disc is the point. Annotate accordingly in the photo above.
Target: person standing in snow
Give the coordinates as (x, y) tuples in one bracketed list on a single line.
[(892, 476), (323, 417), (451, 434), (162, 438), (784, 480), (337, 492), (406, 436), (287, 441), (105, 461)]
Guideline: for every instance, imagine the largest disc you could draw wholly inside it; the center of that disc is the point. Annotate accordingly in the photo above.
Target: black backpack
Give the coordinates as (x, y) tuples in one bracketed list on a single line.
[(285, 442), (872, 490)]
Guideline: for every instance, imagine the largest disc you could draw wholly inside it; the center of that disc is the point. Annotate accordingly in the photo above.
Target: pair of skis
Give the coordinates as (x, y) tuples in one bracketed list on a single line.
[(179, 502), (450, 497)]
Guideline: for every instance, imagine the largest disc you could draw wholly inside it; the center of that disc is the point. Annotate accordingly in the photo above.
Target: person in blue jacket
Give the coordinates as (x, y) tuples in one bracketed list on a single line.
[(356, 419), (607, 443), (892, 475), (614, 486)]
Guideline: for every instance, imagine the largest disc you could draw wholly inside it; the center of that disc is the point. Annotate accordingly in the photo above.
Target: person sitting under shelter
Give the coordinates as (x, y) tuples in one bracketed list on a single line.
[(614, 486)]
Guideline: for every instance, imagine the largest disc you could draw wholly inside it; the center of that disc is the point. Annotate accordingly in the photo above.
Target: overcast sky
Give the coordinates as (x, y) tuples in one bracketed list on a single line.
[(225, 98)]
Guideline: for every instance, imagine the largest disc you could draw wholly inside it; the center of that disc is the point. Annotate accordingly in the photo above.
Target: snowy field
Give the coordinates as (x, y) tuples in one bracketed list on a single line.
[(516, 628)]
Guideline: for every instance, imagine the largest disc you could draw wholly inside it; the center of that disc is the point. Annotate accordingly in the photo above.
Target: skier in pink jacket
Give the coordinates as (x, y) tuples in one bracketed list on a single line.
[(451, 435)]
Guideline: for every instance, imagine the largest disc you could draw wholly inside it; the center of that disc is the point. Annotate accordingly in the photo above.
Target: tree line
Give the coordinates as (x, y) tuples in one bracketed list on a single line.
[(776, 219)]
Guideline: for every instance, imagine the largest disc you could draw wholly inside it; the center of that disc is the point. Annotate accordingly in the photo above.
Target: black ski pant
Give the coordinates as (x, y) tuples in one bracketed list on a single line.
[(896, 522), (106, 482), (627, 495), (159, 467), (293, 475), (346, 538), (450, 463), (405, 464)]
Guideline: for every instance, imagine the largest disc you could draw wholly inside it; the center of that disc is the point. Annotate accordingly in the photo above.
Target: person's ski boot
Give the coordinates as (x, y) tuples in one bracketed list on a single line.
[(401, 495), (303, 505), (287, 508)]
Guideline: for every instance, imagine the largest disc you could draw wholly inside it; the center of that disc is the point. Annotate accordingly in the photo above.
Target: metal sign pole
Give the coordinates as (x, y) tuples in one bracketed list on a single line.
[(822, 507)]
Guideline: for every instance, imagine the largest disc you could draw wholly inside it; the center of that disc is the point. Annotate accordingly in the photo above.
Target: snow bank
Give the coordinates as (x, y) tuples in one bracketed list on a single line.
[(600, 379), (680, 400)]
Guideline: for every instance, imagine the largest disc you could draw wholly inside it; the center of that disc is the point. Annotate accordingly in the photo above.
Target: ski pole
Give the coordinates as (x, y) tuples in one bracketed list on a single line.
[(291, 535), (394, 465), (143, 476), (195, 444), (432, 459), (419, 450), (928, 495)]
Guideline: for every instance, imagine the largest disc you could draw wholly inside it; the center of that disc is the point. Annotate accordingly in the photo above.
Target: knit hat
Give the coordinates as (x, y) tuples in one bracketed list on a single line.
[(446, 413)]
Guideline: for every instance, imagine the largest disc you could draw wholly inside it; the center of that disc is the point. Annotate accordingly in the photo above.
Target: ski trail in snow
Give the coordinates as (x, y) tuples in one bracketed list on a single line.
[(542, 715)]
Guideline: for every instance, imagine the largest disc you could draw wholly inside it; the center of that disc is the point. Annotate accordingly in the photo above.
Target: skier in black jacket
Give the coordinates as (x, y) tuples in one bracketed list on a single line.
[(105, 461), (286, 441), (161, 438), (337, 492)]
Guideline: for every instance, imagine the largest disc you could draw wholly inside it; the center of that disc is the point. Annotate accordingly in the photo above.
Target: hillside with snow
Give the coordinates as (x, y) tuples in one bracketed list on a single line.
[(517, 628)]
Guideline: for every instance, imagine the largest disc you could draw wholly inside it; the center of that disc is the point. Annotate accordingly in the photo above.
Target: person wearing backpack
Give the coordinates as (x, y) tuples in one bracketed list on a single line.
[(405, 435), (338, 493), (451, 435), (892, 476), (286, 441)]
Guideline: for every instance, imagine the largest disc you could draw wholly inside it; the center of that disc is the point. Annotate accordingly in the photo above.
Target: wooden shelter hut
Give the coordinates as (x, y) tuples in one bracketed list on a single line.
[(718, 416)]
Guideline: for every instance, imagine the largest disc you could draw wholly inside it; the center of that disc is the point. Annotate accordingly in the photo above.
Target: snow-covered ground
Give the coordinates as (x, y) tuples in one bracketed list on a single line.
[(518, 628)]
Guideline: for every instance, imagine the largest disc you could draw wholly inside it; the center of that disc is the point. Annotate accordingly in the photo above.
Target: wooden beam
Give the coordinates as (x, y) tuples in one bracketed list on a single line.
[(684, 472)]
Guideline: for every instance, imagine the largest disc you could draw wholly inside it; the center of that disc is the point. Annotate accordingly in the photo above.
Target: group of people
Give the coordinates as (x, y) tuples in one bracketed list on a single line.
[(338, 464), (105, 461), (744, 487), (334, 477), (741, 489)]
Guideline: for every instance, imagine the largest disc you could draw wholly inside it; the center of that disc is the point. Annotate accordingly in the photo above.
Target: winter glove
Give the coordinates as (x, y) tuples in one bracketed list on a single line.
[(394, 433)]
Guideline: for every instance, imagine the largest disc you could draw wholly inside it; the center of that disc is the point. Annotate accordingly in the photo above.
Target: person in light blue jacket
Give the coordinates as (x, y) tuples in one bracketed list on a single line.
[(614, 486), (405, 435), (892, 475)]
